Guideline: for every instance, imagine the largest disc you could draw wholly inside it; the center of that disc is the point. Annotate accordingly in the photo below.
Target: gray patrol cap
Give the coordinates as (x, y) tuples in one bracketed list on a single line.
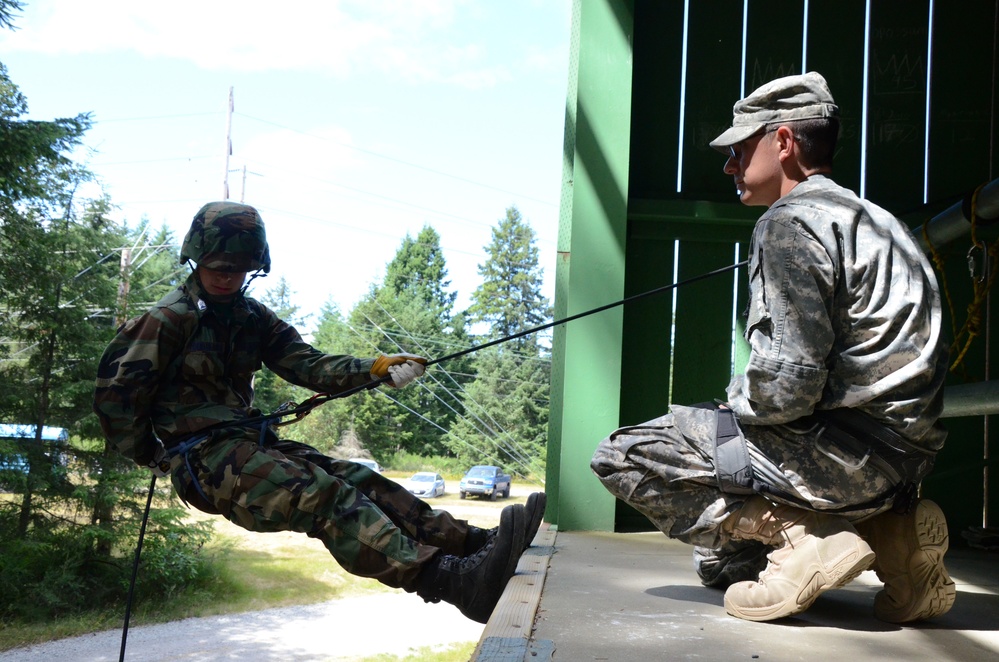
[(801, 97)]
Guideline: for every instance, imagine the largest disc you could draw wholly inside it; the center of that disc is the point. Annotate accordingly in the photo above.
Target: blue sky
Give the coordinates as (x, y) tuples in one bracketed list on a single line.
[(356, 121)]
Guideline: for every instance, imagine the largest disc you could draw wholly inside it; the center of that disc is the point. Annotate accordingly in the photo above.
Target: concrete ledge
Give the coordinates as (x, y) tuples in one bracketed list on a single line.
[(507, 635)]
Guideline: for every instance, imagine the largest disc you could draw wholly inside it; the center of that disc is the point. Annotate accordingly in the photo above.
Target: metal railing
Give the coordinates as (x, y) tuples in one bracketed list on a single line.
[(980, 399)]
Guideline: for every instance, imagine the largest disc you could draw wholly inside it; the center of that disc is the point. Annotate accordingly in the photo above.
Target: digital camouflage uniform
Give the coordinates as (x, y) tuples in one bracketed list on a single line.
[(844, 312), (188, 364)]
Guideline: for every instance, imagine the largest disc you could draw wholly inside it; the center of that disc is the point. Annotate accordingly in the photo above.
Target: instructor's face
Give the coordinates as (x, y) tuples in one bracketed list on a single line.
[(755, 167)]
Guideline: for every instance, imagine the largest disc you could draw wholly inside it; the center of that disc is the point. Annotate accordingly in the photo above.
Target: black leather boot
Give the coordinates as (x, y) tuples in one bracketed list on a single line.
[(533, 516), (478, 538), (535, 509), (475, 583)]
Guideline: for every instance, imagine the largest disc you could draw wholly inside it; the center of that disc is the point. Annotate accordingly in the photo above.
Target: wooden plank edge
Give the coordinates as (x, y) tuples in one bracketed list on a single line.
[(507, 635)]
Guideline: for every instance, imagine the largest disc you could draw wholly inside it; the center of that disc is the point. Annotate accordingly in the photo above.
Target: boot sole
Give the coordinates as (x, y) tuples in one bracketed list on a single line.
[(925, 568), (535, 508), (818, 582)]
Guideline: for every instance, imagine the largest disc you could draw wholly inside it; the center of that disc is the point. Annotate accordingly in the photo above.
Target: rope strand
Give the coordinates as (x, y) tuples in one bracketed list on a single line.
[(980, 288)]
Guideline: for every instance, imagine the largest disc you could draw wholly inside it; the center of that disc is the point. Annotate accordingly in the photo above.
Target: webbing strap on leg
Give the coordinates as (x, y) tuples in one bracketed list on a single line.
[(184, 449), (732, 463)]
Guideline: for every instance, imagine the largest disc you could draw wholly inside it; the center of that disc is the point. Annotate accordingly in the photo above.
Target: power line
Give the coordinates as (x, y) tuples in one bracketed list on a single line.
[(155, 117), (300, 175), (400, 161), (164, 160), (498, 438), (367, 340)]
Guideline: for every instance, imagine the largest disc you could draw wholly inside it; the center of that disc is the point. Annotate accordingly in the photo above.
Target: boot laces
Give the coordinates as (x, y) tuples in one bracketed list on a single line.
[(460, 564)]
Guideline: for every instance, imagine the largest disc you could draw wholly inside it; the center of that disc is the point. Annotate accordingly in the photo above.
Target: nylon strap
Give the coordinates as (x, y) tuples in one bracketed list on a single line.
[(732, 464)]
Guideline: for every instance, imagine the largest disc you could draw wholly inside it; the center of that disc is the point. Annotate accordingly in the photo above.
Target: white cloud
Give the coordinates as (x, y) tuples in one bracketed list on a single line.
[(411, 40)]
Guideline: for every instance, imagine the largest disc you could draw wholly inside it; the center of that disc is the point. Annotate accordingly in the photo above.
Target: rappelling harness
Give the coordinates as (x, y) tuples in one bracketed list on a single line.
[(847, 436)]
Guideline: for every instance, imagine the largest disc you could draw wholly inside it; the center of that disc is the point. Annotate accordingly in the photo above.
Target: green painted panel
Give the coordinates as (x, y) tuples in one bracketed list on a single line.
[(957, 481), (645, 356), (595, 246), (896, 115), (714, 80), (655, 112), (702, 350), (836, 50), (770, 55), (961, 110), (553, 464)]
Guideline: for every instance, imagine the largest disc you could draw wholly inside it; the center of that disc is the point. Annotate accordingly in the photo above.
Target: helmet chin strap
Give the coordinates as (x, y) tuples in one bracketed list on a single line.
[(256, 274)]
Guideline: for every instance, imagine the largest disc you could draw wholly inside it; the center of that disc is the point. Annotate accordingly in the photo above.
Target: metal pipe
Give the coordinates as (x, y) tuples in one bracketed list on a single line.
[(981, 399), (952, 224), (978, 399)]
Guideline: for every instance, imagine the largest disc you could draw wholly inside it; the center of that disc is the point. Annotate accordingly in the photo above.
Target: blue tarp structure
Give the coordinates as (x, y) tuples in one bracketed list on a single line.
[(12, 459), (15, 431)]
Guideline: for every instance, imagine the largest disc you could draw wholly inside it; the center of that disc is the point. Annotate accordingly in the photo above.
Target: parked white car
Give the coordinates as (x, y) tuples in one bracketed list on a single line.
[(370, 464), (426, 484)]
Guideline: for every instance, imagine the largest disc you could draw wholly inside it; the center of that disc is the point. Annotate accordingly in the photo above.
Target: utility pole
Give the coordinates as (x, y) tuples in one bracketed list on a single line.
[(228, 146), (242, 191), (123, 286)]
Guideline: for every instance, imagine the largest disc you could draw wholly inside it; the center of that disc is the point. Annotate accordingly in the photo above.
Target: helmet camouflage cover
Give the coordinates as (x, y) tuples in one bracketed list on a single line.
[(227, 236)]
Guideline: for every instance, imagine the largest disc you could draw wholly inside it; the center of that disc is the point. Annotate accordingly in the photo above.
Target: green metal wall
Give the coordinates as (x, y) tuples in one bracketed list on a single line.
[(644, 196), (590, 271)]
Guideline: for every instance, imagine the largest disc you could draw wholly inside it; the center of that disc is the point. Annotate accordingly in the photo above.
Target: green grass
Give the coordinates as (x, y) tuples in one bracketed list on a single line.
[(255, 571), (453, 653)]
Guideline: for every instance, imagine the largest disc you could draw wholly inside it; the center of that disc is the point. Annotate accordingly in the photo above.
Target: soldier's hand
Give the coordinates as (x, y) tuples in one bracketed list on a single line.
[(402, 368), (160, 464)]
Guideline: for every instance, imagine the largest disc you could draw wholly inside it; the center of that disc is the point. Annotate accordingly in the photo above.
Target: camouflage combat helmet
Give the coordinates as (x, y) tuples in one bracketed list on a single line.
[(227, 236)]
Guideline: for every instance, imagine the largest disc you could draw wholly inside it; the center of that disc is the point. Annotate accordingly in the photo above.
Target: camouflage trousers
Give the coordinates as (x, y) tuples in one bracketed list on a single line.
[(665, 469), (371, 525)]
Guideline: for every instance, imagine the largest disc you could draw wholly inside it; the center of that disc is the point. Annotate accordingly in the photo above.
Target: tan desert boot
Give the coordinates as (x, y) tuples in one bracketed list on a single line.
[(815, 553), (910, 549)]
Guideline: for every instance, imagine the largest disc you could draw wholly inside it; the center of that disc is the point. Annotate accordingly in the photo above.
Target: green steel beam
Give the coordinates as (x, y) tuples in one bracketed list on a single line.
[(590, 271)]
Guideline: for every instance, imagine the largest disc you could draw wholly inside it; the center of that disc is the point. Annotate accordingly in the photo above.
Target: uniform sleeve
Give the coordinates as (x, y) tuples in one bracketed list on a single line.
[(298, 362), (128, 377), (789, 329)]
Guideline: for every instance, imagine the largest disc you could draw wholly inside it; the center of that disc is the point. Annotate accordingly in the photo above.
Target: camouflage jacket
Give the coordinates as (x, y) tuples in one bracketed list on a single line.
[(184, 366), (844, 311)]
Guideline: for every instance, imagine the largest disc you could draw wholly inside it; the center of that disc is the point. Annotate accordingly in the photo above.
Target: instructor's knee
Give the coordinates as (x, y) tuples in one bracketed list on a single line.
[(606, 459)]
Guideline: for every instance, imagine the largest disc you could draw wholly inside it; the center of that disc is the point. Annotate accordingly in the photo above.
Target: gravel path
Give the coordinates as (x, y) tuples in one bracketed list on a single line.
[(338, 630)]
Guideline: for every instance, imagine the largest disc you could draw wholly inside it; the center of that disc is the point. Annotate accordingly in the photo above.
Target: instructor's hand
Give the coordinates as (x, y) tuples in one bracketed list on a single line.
[(402, 368)]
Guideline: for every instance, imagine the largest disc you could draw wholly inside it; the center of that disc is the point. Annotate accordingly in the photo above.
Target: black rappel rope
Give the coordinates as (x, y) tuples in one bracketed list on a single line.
[(135, 568), (301, 410), (320, 398)]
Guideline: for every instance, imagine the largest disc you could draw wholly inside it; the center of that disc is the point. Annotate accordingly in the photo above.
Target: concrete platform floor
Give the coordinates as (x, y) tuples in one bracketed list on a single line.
[(622, 597)]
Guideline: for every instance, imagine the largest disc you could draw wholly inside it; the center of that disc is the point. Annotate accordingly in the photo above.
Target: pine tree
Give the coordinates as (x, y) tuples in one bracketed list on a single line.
[(269, 390), (506, 408), (411, 311), (510, 298), (60, 268)]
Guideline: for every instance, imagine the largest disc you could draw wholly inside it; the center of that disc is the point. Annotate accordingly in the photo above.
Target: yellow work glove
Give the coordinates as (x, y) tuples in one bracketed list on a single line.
[(402, 368)]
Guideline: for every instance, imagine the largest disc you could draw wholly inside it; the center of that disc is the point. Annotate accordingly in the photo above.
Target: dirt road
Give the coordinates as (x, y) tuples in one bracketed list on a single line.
[(392, 622), (345, 629)]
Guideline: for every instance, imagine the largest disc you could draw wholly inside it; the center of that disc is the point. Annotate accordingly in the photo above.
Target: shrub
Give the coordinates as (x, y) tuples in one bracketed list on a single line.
[(449, 467), (56, 572)]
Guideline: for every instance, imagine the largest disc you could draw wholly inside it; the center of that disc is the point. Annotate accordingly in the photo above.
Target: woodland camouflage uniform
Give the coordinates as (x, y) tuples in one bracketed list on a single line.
[(184, 371)]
